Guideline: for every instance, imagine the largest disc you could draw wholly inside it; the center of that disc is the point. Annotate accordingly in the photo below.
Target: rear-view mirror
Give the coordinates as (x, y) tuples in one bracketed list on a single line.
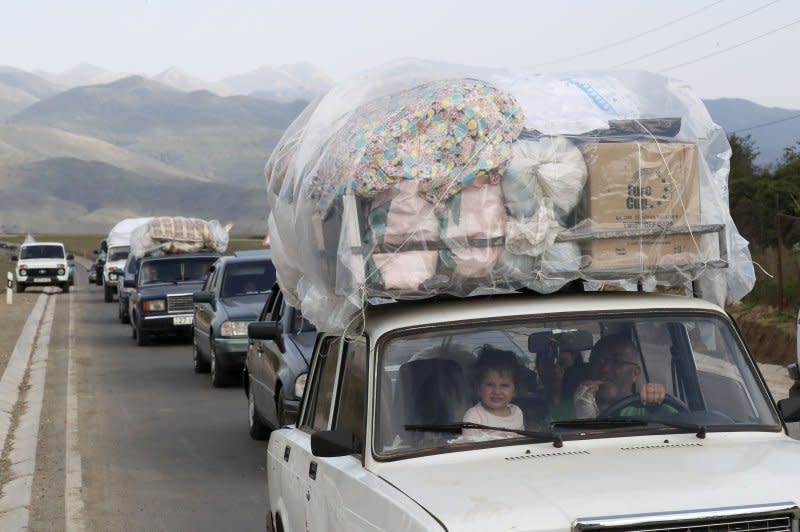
[(573, 341), (330, 443), (129, 283), (14, 258), (70, 256)]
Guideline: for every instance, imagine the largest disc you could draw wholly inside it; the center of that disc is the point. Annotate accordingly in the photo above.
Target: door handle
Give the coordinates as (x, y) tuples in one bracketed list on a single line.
[(312, 471), (286, 453)]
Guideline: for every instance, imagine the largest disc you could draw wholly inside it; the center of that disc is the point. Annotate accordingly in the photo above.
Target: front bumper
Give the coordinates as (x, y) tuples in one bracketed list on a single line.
[(231, 353), (167, 324), (49, 280)]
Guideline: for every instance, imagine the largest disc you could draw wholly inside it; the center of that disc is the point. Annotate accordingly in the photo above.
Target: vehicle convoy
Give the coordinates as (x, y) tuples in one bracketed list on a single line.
[(276, 369), (175, 255), (518, 285), (42, 264), (230, 299), (118, 244)]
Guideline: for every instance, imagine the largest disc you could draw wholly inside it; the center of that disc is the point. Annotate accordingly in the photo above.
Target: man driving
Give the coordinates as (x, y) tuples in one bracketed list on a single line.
[(614, 368)]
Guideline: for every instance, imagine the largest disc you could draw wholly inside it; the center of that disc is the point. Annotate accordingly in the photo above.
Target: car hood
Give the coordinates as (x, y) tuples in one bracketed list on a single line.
[(243, 307), (162, 289), (539, 487), (305, 344), (42, 263)]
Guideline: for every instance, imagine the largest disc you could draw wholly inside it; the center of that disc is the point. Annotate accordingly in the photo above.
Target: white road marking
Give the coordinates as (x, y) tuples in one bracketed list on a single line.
[(17, 366), (16, 499), (73, 489)]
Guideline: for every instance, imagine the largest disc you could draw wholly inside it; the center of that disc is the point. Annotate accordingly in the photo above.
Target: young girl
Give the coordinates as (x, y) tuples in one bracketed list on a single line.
[(496, 373)]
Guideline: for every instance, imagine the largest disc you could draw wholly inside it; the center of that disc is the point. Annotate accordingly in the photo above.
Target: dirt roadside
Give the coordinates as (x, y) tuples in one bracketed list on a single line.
[(12, 317)]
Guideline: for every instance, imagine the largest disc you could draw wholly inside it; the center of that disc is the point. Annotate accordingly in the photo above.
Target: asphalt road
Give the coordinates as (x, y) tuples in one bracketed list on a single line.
[(160, 448)]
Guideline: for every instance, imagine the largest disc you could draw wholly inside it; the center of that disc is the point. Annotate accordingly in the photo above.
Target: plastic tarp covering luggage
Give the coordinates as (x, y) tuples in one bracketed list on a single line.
[(418, 179), (120, 234), (176, 234)]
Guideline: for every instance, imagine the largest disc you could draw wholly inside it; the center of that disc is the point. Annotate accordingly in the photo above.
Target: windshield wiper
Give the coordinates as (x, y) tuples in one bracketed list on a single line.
[(458, 427), (700, 430), (627, 421)]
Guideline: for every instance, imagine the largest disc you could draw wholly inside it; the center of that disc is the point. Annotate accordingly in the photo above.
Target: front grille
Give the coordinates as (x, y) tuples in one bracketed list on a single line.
[(42, 272), (180, 303), (703, 521)]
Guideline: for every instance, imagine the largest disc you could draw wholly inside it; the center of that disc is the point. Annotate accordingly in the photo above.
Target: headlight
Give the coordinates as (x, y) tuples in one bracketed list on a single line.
[(112, 276), (234, 328), (23, 272), (60, 271), (156, 305), (300, 385)]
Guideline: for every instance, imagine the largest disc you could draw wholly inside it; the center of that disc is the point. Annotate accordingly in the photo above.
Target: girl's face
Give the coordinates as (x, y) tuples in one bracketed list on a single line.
[(496, 391)]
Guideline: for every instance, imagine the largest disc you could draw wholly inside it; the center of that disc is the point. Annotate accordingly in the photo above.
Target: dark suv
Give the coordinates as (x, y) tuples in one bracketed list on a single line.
[(161, 303)]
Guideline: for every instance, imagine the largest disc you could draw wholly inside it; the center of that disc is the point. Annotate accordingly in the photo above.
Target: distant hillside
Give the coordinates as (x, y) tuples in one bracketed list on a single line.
[(282, 83), (90, 196), (127, 109), (27, 82), (81, 75), (14, 100), (736, 114), (21, 144)]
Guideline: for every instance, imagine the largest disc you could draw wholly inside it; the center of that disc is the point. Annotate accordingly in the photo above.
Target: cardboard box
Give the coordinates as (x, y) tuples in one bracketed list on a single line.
[(635, 185)]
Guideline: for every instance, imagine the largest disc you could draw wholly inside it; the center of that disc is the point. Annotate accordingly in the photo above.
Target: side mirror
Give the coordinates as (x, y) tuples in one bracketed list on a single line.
[(203, 297), (70, 256), (267, 330), (14, 258), (789, 409), (95, 252), (129, 283), (331, 443)]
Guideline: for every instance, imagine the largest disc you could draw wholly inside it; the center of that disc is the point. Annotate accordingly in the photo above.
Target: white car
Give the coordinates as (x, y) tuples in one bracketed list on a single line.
[(42, 264), (379, 444)]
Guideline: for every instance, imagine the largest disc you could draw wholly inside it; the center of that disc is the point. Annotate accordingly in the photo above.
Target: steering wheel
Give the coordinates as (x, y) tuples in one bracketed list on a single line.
[(635, 400)]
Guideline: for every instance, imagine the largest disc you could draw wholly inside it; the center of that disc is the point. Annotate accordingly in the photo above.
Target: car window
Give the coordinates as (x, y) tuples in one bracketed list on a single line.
[(212, 278), (431, 377), (115, 254), (247, 278), (351, 404), (132, 266), (318, 409), (42, 252)]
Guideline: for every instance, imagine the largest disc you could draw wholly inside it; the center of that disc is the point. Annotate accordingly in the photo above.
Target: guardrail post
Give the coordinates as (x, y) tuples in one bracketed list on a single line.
[(9, 289)]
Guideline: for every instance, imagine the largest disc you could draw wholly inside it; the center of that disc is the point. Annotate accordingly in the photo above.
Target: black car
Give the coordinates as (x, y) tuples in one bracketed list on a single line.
[(231, 298), (278, 355), (128, 273), (161, 303)]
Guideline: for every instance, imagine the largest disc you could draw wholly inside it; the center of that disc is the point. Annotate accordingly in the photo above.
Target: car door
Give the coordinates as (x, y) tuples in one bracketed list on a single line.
[(270, 361), (204, 314), (290, 469), (261, 376)]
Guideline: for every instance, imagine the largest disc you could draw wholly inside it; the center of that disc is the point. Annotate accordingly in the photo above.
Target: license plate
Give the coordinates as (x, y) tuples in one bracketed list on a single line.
[(41, 280), (182, 320)]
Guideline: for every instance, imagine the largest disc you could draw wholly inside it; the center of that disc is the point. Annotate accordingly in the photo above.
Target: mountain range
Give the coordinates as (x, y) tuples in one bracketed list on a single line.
[(83, 148)]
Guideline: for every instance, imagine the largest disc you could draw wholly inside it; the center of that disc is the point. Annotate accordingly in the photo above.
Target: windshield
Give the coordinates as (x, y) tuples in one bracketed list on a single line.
[(42, 251), (563, 377), (248, 278), (120, 253), (175, 270)]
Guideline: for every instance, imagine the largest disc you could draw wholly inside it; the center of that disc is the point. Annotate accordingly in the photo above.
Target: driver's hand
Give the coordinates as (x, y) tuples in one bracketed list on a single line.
[(652, 393)]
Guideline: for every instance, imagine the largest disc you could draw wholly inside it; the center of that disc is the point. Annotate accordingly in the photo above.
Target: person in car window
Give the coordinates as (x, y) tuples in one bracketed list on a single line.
[(496, 374), (614, 368)]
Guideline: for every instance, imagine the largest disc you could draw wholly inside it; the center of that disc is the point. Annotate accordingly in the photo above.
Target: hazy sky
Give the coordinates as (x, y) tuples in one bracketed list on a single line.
[(214, 39)]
